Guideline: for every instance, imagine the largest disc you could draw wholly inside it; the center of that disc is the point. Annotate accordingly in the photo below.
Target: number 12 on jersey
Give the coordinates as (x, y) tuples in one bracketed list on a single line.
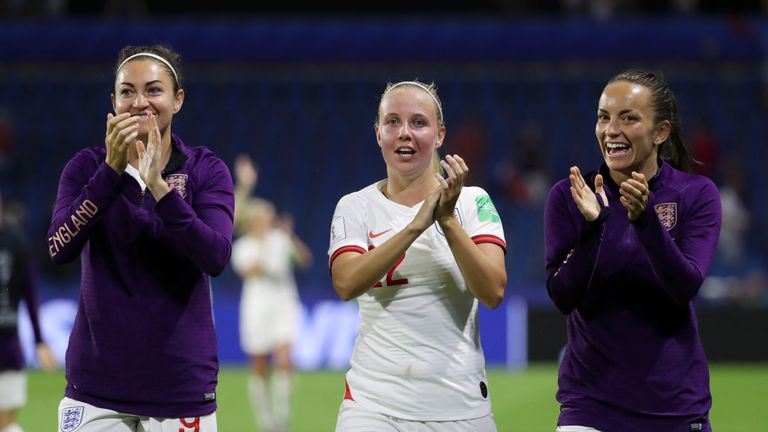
[(390, 280)]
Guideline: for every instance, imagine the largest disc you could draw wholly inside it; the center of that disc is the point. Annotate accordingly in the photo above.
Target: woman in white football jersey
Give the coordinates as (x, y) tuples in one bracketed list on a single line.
[(417, 251), (264, 256)]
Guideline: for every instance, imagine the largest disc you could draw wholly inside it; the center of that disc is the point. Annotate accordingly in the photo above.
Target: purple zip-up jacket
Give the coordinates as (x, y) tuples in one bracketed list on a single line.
[(634, 360), (20, 285), (143, 341)]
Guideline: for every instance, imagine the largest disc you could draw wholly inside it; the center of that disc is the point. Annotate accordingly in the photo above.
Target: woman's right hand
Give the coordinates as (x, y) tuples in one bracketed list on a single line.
[(586, 200), (122, 130), (426, 214)]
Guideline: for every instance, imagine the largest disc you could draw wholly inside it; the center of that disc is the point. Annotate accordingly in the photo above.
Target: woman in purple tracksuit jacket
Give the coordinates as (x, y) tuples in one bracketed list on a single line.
[(627, 248), (151, 220)]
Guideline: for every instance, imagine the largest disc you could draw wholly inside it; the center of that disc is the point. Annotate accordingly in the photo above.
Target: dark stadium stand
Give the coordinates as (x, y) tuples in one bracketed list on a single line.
[(300, 97)]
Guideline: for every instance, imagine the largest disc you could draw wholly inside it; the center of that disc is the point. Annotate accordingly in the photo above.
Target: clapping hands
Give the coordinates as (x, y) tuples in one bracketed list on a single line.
[(450, 187), (151, 161), (584, 197), (634, 192), (122, 130)]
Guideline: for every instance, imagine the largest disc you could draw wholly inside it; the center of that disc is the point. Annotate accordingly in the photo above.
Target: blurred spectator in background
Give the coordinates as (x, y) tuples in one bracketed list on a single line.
[(525, 179), (738, 276), (133, 8), (704, 150), (601, 10), (731, 248), (264, 256), (469, 140), (34, 8), (7, 140), (13, 214), (16, 283), (594, 9)]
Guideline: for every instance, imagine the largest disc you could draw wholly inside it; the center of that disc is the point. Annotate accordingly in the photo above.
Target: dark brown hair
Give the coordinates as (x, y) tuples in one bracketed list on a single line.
[(173, 58), (673, 150)]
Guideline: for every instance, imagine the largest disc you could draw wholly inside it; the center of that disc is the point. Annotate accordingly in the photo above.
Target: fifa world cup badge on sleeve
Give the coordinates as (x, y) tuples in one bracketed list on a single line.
[(71, 418), (338, 229), (486, 211)]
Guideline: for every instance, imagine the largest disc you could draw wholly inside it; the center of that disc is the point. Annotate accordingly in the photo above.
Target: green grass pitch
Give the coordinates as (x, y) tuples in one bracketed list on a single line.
[(522, 400)]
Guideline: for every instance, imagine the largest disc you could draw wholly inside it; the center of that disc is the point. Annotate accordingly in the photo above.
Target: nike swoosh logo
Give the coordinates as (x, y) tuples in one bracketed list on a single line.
[(371, 234)]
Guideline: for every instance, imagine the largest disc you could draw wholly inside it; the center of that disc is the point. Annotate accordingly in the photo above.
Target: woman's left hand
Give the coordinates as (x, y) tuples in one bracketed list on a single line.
[(150, 160), (635, 195), (456, 170)]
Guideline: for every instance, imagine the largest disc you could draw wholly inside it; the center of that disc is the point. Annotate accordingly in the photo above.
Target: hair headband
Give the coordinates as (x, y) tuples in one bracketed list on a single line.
[(154, 56), (423, 87)]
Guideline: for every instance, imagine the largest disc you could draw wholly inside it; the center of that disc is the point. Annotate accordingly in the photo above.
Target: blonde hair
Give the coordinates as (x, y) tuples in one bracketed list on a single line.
[(250, 210), (431, 90)]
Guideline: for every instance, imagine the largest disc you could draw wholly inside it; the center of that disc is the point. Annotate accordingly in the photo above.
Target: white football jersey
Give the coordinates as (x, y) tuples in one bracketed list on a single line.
[(417, 355), (269, 302), (273, 254)]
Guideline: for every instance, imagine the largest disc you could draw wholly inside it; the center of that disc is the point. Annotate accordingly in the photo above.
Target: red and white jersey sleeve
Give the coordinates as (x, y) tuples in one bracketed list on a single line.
[(418, 354), (348, 228)]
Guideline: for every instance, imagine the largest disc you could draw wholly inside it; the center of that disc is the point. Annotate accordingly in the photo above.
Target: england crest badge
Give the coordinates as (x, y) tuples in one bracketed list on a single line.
[(667, 214), (71, 418), (178, 182)]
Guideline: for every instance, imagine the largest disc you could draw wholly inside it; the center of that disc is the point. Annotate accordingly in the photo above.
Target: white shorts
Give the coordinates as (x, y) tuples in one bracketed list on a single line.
[(576, 429), (75, 416), (267, 319), (354, 418), (13, 390)]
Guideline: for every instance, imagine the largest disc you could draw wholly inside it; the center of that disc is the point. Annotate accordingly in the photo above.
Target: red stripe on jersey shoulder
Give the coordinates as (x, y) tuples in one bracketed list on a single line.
[(486, 238), (347, 393), (343, 249)]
